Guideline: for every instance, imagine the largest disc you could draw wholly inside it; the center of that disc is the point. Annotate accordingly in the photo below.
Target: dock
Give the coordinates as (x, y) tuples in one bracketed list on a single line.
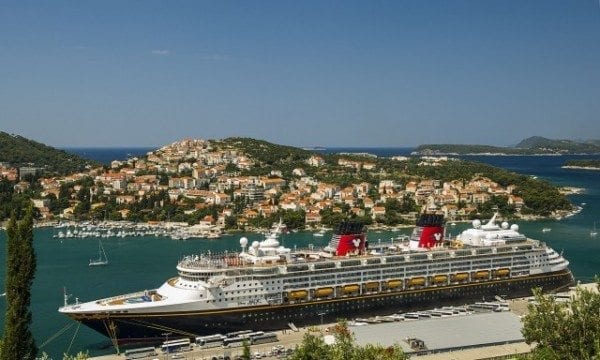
[(482, 333)]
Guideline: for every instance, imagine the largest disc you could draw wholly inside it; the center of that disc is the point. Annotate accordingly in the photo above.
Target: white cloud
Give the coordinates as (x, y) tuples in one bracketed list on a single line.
[(161, 52), (215, 57)]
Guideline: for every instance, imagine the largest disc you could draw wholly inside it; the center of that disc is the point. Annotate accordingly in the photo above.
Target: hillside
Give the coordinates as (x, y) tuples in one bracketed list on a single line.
[(257, 182), (266, 156), (267, 153), (19, 151), (540, 196)]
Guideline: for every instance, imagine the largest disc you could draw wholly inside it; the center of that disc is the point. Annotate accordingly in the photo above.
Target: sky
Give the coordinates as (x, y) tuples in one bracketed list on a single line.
[(304, 73)]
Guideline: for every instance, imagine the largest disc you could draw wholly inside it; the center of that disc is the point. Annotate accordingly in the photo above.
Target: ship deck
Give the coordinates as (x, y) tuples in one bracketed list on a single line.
[(228, 260)]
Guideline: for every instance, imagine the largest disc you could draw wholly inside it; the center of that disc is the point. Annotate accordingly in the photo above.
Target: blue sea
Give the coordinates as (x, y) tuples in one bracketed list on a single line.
[(145, 262), (106, 155)]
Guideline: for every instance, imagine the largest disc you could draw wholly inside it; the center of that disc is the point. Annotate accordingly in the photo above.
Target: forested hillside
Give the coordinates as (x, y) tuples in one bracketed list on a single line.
[(19, 151)]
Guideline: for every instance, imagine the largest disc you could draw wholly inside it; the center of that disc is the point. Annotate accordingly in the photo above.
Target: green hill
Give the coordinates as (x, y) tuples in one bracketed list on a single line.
[(19, 151), (267, 153), (540, 196), (267, 156)]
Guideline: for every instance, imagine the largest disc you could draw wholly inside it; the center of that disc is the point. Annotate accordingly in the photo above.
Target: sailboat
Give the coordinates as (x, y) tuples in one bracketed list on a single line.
[(594, 232), (102, 258)]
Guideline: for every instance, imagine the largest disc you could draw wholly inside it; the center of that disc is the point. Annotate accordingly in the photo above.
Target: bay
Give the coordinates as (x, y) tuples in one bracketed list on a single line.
[(138, 263)]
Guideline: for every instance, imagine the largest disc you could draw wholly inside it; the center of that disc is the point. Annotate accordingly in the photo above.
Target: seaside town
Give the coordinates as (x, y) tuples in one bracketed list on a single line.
[(199, 188), (299, 180)]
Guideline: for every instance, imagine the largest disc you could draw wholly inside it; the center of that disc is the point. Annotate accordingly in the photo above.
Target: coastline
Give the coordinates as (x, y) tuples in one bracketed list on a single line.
[(571, 190), (580, 167), (374, 227), (416, 153)]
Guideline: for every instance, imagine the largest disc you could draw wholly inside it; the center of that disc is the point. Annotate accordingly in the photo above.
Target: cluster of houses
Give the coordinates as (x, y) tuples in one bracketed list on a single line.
[(199, 170)]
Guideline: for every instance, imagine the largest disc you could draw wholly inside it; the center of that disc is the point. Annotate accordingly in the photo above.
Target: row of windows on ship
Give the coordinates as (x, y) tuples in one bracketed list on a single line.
[(311, 310), (412, 258), (260, 288), (255, 299), (378, 270)]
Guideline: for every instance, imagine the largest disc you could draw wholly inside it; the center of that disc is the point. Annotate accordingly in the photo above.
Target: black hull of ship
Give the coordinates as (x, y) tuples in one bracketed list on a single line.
[(133, 328)]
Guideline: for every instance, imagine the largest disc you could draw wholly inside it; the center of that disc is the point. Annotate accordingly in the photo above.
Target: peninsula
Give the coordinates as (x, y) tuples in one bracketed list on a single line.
[(247, 184)]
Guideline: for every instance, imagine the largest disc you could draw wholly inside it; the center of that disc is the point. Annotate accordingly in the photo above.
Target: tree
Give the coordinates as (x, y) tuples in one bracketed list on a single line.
[(562, 330), (246, 351), (344, 348), (17, 340), (313, 347)]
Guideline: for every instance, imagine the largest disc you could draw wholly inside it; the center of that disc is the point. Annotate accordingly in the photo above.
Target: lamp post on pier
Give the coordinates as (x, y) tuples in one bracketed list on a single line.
[(321, 315), (166, 335)]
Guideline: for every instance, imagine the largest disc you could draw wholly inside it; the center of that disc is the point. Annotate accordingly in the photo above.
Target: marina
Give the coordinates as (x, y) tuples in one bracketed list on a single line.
[(122, 229)]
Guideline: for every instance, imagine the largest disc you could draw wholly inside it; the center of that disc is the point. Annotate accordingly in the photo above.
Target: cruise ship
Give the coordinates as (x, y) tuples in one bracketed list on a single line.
[(269, 287)]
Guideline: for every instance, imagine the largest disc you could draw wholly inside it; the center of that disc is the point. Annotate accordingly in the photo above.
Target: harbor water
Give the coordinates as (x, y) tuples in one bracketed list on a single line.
[(144, 262)]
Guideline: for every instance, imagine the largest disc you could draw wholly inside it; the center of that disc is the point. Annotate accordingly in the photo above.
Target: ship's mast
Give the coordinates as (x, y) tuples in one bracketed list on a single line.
[(65, 296)]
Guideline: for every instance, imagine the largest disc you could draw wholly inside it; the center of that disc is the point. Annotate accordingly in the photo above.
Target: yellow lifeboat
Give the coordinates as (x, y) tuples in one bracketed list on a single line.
[(460, 277), (440, 279), (298, 294), (456, 244), (392, 284), (349, 289), (501, 272), (482, 274), (418, 281), (323, 292), (374, 285)]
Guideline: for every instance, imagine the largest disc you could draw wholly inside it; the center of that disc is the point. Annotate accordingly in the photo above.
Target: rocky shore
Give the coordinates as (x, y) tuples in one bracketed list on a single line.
[(580, 167)]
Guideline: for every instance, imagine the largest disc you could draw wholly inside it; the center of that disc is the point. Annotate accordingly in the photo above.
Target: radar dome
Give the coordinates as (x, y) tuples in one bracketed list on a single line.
[(255, 244), (505, 225), (476, 224), (514, 227), (244, 241)]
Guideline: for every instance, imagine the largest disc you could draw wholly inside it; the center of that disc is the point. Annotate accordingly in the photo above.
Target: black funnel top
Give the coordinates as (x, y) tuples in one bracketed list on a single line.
[(349, 228), (430, 220)]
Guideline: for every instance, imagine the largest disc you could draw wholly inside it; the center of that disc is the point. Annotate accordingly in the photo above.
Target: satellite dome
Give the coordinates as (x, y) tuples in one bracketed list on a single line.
[(476, 224), (514, 227), (505, 225), (255, 244), (244, 241)]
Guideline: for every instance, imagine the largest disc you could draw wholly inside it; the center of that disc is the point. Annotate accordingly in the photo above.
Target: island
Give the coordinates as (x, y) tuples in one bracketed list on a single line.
[(587, 164), (535, 145)]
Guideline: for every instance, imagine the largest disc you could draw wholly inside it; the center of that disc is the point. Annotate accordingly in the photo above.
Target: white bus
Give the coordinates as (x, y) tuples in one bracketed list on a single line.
[(237, 333), (264, 338), (210, 341), (176, 345), (237, 341), (140, 353)]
